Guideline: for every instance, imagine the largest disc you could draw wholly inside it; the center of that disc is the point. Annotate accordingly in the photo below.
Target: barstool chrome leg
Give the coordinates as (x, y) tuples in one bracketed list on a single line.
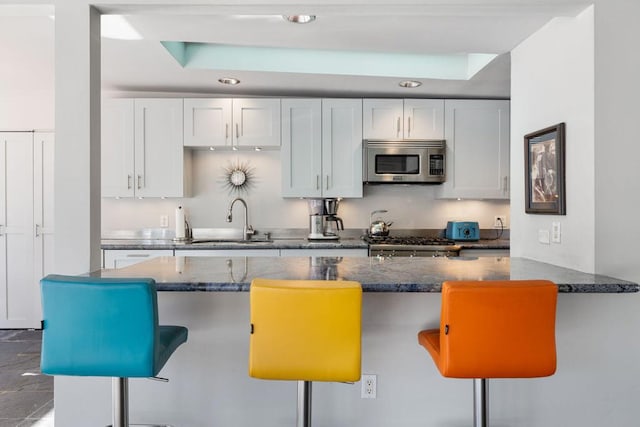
[(480, 402), (120, 397), (303, 417)]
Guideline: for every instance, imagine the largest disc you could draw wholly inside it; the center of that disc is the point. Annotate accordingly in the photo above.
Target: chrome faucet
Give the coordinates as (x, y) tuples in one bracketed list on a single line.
[(247, 230)]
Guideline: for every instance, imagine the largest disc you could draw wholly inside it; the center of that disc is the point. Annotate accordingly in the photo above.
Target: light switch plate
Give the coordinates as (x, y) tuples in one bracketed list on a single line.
[(543, 236)]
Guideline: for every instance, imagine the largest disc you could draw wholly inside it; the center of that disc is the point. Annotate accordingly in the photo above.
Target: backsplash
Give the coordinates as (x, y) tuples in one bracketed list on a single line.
[(409, 206)]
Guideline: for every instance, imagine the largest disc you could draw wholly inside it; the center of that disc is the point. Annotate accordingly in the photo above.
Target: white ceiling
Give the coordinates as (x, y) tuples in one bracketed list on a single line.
[(144, 65)]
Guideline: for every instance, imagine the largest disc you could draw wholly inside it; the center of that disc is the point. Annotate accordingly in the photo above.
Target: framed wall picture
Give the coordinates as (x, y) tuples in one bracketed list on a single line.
[(544, 171)]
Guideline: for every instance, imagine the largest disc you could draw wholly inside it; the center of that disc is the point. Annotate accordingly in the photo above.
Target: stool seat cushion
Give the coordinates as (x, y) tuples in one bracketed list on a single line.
[(104, 327), (305, 330), (495, 329)]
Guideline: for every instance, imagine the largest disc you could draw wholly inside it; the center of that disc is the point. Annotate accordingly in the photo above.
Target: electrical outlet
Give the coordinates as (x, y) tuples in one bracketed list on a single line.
[(369, 386), (164, 220), (500, 221), (555, 232)]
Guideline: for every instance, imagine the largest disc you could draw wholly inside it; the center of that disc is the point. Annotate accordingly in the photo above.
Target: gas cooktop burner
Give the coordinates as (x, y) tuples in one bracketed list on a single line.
[(408, 240)]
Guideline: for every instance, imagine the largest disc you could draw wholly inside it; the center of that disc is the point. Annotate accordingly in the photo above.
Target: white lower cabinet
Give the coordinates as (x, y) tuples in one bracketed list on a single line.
[(227, 252), (119, 258), (324, 252), (485, 252), (26, 224)]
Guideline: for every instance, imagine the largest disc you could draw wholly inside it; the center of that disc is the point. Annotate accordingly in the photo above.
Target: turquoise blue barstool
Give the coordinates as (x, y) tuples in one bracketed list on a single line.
[(105, 328)]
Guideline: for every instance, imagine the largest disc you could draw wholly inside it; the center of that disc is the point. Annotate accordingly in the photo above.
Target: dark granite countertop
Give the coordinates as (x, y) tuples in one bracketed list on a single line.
[(220, 274), (294, 243)]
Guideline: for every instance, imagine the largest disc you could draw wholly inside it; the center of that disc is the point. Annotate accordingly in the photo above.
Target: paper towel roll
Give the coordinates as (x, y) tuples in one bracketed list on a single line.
[(179, 223)]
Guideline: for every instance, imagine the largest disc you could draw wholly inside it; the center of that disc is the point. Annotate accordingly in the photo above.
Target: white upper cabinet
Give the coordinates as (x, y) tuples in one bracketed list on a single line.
[(142, 150), (117, 148), (207, 122), (301, 151), (232, 123), (342, 147), (477, 135), (321, 151), (408, 119)]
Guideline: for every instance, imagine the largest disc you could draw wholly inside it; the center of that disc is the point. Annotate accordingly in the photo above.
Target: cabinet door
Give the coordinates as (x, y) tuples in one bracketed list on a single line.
[(256, 122), (159, 152), (301, 151), (43, 199), (342, 147), (19, 294), (207, 122), (423, 118), (382, 119), (477, 134), (117, 148), (116, 258)]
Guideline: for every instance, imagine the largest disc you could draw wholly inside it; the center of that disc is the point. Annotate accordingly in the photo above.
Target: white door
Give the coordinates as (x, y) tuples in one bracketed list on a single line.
[(256, 122), (159, 152), (43, 199), (423, 119), (18, 291), (117, 135), (301, 151), (477, 134), (207, 122), (342, 147), (382, 119)]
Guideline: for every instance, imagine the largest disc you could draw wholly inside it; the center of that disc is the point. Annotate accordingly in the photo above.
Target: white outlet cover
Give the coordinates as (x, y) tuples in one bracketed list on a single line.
[(555, 232)]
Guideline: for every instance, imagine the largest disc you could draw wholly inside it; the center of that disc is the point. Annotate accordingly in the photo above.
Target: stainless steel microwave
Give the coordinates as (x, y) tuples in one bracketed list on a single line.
[(404, 162)]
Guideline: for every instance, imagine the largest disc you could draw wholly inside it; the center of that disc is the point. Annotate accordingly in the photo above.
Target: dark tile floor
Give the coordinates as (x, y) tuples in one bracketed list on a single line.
[(26, 396)]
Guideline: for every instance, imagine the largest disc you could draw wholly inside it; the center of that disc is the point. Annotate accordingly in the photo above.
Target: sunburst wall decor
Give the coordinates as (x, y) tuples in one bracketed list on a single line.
[(239, 177)]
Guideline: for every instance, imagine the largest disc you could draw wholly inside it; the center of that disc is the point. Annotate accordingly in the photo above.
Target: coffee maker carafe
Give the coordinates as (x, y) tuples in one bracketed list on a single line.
[(324, 224)]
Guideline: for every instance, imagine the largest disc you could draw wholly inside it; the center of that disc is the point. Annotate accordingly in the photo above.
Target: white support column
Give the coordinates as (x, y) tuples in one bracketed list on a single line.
[(77, 126)]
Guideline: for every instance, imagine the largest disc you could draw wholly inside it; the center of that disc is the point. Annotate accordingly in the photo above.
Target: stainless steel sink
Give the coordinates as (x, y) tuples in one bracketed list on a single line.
[(224, 235)]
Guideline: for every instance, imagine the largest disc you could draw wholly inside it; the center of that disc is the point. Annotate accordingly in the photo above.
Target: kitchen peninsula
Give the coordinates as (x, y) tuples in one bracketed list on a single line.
[(209, 384), (376, 274)]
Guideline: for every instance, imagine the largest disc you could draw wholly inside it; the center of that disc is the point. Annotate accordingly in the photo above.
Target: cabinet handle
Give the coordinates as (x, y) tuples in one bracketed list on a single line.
[(327, 182), (139, 184), (398, 128), (408, 127), (128, 182), (317, 182), (1, 230), (37, 230), (226, 131), (137, 255), (506, 185), (237, 132)]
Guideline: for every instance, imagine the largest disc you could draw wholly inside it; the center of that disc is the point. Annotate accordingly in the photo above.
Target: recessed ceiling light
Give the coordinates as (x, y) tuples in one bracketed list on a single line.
[(410, 83), (229, 80), (300, 19)]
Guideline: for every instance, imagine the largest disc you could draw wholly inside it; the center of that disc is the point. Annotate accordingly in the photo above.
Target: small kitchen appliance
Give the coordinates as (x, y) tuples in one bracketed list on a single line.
[(404, 162), (324, 223), (463, 230)]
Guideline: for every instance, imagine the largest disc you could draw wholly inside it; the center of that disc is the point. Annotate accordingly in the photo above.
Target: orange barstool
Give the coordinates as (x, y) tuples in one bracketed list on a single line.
[(494, 329), (305, 330)]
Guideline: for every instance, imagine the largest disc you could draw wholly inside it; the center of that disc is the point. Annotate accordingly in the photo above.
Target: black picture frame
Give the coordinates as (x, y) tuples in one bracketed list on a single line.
[(544, 171)]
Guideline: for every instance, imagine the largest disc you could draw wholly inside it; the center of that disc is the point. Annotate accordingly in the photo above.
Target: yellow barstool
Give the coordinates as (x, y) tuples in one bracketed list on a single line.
[(305, 330), (494, 329)]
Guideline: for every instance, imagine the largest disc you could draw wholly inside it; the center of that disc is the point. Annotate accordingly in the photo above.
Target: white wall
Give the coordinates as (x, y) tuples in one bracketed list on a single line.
[(552, 81), (409, 206), (617, 174)]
